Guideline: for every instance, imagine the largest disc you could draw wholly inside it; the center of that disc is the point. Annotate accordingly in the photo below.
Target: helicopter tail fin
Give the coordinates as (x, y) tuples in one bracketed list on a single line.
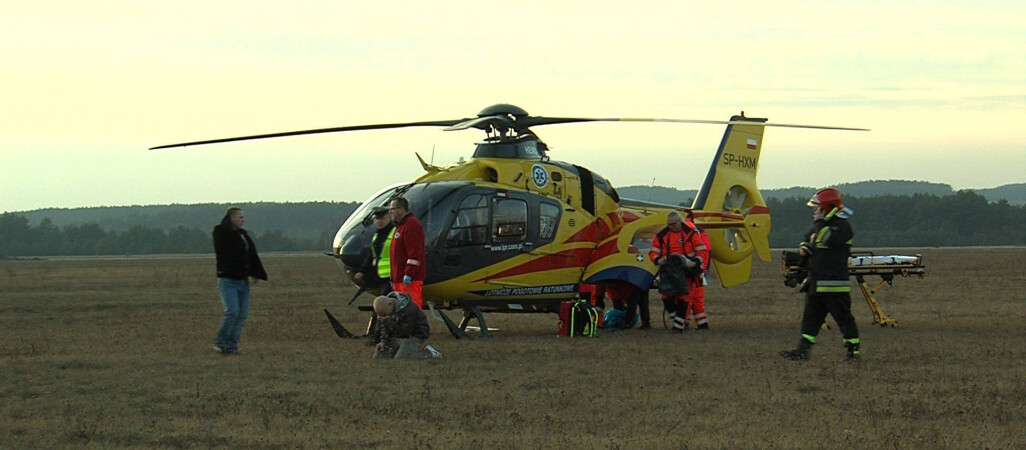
[(730, 204)]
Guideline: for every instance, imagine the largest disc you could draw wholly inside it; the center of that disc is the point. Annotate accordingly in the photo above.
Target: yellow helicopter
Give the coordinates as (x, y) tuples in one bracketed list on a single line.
[(511, 230)]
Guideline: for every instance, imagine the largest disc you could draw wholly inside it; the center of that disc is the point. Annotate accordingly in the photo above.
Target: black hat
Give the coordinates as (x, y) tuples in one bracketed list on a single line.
[(380, 211)]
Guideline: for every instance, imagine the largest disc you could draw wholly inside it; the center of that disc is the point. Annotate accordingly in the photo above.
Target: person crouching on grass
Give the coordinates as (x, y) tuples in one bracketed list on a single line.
[(401, 329), (238, 265)]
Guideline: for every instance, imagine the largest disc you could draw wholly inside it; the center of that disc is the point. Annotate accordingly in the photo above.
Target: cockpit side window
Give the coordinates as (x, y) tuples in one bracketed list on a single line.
[(509, 220), (548, 219), (471, 224)]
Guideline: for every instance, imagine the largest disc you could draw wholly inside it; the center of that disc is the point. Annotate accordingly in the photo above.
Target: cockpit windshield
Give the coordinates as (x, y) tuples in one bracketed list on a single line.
[(423, 198)]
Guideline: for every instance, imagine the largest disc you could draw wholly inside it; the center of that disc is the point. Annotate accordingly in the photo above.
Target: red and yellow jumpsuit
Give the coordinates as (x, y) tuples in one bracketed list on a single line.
[(696, 296), (688, 243)]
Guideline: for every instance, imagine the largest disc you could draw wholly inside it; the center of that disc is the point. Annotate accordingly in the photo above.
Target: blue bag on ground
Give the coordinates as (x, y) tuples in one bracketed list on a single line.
[(616, 318)]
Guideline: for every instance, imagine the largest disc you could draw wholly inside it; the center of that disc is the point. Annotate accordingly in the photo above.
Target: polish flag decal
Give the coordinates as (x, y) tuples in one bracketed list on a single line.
[(752, 144)]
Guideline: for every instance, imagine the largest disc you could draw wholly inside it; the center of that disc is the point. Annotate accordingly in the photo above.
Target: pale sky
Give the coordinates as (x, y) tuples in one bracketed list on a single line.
[(87, 86)]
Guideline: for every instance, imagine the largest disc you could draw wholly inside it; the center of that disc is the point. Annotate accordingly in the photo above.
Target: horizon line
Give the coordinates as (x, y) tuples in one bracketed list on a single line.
[(357, 201)]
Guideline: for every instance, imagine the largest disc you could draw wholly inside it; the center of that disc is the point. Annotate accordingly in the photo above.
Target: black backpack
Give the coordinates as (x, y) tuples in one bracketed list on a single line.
[(673, 278), (583, 319)]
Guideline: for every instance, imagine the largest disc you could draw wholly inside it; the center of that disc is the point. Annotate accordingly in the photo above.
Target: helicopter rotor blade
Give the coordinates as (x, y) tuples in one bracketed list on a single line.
[(814, 127), (501, 118), (531, 121), (556, 120), (380, 126)]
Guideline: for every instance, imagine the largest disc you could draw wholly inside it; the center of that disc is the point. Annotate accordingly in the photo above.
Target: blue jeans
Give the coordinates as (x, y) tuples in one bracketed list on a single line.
[(235, 296)]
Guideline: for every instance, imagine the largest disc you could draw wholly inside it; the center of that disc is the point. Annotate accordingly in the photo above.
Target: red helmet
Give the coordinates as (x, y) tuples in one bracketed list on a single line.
[(827, 199)]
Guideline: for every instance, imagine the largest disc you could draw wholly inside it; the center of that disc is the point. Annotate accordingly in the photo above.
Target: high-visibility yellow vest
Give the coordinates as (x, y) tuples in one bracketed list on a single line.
[(384, 264)]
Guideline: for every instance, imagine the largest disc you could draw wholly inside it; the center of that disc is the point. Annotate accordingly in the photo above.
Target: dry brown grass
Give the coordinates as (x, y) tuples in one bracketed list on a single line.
[(117, 354)]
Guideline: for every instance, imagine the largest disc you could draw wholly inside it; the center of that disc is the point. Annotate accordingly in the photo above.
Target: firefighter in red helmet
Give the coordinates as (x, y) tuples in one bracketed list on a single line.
[(826, 199), (827, 247)]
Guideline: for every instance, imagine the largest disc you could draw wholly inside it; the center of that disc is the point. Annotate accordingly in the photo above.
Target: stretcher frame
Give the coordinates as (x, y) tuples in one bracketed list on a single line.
[(911, 265)]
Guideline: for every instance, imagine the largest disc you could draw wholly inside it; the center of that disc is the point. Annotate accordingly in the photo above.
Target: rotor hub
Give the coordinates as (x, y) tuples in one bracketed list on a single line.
[(503, 109)]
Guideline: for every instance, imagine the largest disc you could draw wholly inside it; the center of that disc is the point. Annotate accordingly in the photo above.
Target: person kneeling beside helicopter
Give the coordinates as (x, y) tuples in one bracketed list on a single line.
[(401, 329)]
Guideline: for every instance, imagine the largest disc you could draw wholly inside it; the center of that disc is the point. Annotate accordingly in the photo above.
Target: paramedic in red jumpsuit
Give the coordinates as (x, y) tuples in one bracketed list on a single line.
[(406, 255), (678, 240), (696, 295)]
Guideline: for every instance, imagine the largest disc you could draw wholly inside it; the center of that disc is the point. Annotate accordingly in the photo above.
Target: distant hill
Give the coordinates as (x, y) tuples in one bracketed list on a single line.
[(305, 221), (318, 221), (888, 213), (1012, 193)]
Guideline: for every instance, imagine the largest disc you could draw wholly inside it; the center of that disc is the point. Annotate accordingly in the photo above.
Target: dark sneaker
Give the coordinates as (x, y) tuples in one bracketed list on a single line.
[(645, 327), (795, 355), (219, 349), (678, 330), (703, 326)]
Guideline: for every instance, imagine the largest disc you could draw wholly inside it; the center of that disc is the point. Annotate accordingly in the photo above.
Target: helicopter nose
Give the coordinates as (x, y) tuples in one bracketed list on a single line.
[(352, 248)]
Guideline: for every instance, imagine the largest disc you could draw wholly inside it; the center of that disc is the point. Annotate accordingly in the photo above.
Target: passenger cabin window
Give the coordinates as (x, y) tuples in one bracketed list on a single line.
[(548, 218), (509, 220), (471, 224)]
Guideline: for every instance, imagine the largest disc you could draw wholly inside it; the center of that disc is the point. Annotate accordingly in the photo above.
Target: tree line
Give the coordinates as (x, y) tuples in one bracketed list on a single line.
[(1013, 193), (18, 238), (964, 218)]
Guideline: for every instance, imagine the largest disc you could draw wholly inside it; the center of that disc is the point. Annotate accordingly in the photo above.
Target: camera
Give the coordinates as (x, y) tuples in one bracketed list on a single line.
[(794, 268)]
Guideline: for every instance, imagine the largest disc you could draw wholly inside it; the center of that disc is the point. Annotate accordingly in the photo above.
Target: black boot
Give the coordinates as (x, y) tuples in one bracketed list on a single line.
[(799, 354), (853, 351)]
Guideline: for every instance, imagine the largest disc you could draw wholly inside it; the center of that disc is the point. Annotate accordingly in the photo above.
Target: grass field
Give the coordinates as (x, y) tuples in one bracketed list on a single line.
[(116, 353)]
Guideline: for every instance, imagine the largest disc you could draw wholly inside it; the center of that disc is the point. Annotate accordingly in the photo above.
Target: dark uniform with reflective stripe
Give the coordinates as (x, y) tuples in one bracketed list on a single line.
[(829, 246)]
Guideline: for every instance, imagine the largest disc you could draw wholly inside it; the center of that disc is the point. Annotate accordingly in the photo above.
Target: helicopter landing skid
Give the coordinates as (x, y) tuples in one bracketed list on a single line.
[(474, 309), (471, 310), (456, 332), (438, 314), (340, 330)]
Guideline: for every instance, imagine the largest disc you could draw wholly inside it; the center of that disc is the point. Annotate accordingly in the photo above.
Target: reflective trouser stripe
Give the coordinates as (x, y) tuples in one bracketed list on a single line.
[(810, 338), (833, 289), (678, 322), (833, 286), (852, 341), (701, 319)]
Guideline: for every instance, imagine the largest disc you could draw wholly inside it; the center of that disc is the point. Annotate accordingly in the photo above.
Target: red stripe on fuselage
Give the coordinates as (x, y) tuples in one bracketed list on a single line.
[(577, 257), (594, 232), (615, 220), (605, 250)]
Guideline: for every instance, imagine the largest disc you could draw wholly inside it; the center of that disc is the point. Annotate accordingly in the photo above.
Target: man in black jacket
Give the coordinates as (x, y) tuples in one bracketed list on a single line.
[(827, 248), (376, 270), (401, 329), (238, 265)]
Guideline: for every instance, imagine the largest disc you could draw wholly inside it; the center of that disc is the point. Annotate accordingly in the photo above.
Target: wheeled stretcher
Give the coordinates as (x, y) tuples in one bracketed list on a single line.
[(860, 266)]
